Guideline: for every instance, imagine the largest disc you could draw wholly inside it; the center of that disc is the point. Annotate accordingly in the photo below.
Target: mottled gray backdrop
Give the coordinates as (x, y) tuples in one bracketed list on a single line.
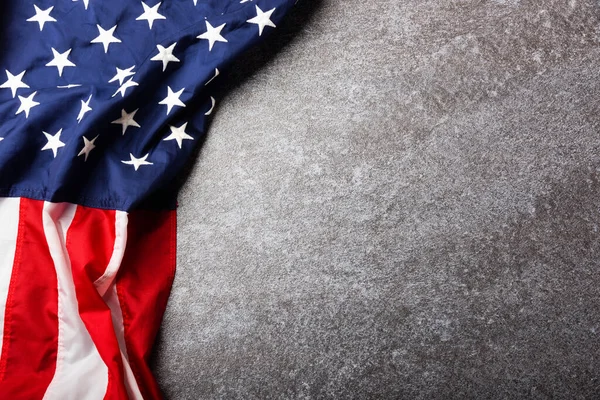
[(397, 200)]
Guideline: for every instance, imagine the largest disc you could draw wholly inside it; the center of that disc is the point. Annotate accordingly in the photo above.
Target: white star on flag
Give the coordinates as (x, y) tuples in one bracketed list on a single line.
[(212, 106), (178, 134), (213, 35), (60, 61), (165, 55), (14, 83), (69, 86), (88, 146), (54, 142), (122, 74), (214, 77), (86, 3), (106, 37), (137, 162), (126, 120), (42, 16), (85, 108), (27, 103), (150, 14), (125, 86), (172, 99), (262, 19)]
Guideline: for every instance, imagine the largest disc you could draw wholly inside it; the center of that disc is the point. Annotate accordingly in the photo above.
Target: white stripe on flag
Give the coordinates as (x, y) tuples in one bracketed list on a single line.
[(9, 218), (103, 283), (80, 372), (111, 298)]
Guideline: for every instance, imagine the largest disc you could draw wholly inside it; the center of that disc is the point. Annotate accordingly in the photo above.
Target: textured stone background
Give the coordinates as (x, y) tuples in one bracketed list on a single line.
[(397, 199)]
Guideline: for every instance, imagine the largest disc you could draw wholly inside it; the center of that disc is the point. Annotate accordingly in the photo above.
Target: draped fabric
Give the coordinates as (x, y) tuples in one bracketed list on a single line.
[(102, 102)]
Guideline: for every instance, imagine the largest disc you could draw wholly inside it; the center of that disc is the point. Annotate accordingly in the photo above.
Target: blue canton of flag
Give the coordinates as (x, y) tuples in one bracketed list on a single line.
[(104, 100)]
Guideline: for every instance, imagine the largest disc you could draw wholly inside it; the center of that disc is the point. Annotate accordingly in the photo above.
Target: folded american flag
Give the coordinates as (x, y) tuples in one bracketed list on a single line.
[(102, 104)]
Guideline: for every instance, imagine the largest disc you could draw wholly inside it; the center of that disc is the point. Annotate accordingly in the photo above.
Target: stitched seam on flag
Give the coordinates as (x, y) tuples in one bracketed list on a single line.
[(11, 291), (44, 195)]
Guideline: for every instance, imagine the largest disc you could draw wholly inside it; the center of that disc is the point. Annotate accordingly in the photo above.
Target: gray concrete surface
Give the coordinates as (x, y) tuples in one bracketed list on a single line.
[(397, 200)]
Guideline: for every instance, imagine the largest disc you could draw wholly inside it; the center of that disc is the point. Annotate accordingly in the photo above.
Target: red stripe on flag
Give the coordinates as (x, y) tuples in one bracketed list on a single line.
[(95, 245), (31, 322), (90, 248), (143, 285)]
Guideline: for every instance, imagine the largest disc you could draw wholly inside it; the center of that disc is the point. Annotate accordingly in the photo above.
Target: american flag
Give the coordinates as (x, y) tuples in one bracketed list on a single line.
[(102, 103)]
